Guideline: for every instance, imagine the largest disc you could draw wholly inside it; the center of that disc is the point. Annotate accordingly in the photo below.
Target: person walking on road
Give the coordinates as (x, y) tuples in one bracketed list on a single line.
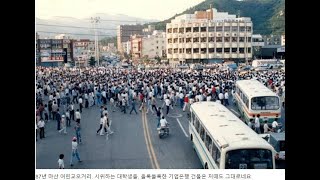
[(61, 162), (63, 124), (41, 124), (226, 98), (74, 151), (133, 104), (71, 109), (186, 102), (101, 125), (58, 119), (78, 133), (257, 124), (80, 104), (78, 116)]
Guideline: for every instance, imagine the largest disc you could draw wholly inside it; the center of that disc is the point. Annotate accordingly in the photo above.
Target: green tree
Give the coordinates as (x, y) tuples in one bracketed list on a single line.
[(92, 61)]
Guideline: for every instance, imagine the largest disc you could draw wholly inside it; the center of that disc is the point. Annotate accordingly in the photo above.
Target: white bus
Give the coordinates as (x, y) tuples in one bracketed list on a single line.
[(253, 98), (223, 141)]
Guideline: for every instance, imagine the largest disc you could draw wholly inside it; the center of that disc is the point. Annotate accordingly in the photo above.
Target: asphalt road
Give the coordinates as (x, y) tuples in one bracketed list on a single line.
[(135, 143)]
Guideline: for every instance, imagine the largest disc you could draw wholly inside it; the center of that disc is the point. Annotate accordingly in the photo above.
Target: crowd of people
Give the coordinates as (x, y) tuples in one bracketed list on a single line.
[(62, 94)]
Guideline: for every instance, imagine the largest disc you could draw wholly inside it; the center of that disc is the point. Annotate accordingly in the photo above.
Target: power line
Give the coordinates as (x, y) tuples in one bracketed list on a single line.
[(109, 20)]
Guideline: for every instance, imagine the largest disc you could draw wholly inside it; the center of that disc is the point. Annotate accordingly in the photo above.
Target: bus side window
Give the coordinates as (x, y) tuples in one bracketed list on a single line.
[(208, 142), (196, 124), (202, 132), (215, 154)]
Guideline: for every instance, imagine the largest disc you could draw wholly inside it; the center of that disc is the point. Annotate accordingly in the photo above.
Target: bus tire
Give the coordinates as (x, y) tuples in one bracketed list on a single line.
[(206, 166)]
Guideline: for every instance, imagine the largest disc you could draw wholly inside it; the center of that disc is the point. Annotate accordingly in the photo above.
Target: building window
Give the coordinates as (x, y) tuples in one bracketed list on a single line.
[(175, 50), (188, 29), (182, 51), (188, 40), (203, 29), (175, 30), (211, 50), (227, 28), (157, 42), (181, 40), (249, 40), (234, 28), (241, 39), (175, 40), (226, 50), (234, 39), (219, 29), (242, 28), (241, 50), (211, 39), (188, 50), (249, 50), (203, 50), (181, 30), (203, 39), (219, 50), (162, 47), (195, 39), (234, 50), (157, 47), (170, 51), (170, 40), (218, 39), (248, 28), (195, 29), (226, 39), (211, 29), (196, 50), (170, 30)]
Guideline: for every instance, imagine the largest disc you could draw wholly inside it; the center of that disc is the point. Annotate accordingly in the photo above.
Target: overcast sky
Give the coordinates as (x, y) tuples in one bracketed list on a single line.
[(147, 9)]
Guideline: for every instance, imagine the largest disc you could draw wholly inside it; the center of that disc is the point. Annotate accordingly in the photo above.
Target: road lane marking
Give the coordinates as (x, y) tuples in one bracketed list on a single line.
[(150, 143), (182, 128), (235, 112), (147, 142)]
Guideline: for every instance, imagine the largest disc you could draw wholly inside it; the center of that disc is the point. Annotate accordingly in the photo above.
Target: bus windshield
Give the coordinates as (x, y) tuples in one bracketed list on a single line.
[(265, 103), (249, 159)]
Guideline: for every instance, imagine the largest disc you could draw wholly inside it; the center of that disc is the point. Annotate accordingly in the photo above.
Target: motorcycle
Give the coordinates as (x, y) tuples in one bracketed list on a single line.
[(163, 131)]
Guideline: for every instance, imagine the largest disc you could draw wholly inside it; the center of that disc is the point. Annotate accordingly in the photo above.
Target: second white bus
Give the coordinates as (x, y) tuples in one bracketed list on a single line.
[(253, 98), (223, 141)]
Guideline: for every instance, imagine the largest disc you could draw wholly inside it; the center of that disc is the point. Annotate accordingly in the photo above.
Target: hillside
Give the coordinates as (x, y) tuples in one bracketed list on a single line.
[(267, 15)]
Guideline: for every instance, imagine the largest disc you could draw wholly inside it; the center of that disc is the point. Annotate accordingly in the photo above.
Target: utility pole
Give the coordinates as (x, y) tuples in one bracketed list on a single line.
[(95, 21)]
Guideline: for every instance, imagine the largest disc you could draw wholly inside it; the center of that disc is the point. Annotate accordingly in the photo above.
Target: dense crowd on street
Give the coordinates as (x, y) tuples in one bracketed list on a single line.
[(62, 94)]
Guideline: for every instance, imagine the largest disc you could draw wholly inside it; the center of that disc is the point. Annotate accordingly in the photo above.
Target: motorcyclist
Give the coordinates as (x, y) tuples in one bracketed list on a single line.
[(163, 123)]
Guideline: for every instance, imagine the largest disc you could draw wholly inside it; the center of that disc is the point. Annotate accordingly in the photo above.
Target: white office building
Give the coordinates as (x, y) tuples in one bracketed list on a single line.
[(207, 36), (154, 45)]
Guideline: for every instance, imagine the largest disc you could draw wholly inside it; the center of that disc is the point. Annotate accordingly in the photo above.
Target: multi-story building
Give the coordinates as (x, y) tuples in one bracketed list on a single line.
[(136, 47), (125, 31), (206, 36), (154, 45), (83, 49), (272, 40), (54, 52), (257, 44), (126, 47)]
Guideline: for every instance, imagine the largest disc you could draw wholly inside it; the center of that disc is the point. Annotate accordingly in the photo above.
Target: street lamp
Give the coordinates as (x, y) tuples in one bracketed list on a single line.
[(95, 21)]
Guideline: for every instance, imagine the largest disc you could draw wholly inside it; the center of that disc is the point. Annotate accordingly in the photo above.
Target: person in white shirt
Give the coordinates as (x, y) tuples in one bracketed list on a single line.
[(78, 116), (80, 104), (41, 127), (275, 125), (163, 122), (167, 102), (61, 162), (74, 152), (63, 124), (102, 124), (226, 98), (257, 124), (266, 128), (221, 97)]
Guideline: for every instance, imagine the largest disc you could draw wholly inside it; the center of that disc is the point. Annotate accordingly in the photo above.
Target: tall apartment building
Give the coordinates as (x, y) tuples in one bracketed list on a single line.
[(125, 31), (136, 47), (154, 45), (83, 49), (206, 36)]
